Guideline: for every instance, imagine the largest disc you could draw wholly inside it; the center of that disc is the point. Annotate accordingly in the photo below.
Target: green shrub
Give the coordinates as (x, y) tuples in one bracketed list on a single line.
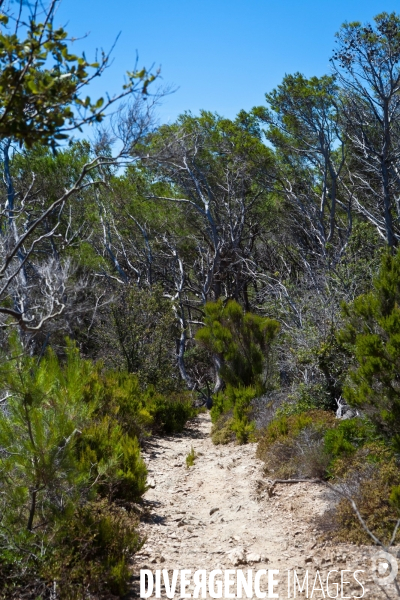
[(290, 427), (293, 446), (62, 451), (222, 431), (371, 334), (306, 397), (113, 459), (92, 550), (170, 413), (70, 437), (242, 341), (190, 458), (346, 438), (231, 413), (141, 412)]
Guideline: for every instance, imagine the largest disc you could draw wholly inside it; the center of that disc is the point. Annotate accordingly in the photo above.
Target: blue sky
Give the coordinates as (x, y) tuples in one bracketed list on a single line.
[(222, 55)]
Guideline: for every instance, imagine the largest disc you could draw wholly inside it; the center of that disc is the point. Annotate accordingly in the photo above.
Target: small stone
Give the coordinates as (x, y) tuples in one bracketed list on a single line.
[(161, 559), (213, 510), (253, 558), (308, 559), (237, 556), (151, 483), (189, 529)]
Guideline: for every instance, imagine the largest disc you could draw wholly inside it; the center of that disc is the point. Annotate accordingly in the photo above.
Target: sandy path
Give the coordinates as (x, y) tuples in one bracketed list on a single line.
[(262, 532)]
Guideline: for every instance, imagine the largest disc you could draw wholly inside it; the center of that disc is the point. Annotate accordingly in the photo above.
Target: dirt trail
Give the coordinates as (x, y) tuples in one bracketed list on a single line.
[(217, 515)]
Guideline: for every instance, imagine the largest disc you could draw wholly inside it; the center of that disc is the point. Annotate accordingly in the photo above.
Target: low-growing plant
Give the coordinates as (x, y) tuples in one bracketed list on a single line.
[(305, 397), (190, 458), (141, 412), (231, 412), (70, 457), (293, 446), (370, 479), (170, 412), (221, 431), (346, 438), (92, 551)]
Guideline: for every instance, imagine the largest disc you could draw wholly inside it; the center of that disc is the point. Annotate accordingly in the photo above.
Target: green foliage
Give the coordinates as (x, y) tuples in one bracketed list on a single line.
[(113, 458), (241, 340), (138, 335), (347, 437), (306, 397), (190, 458), (231, 412), (306, 107), (293, 445), (38, 71), (92, 551), (69, 435), (372, 335), (46, 412), (170, 412), (291, 426), (222, 430)]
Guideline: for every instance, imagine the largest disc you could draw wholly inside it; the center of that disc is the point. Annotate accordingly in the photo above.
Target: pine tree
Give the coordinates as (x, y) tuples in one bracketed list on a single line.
[(242, 342), (372, 334)]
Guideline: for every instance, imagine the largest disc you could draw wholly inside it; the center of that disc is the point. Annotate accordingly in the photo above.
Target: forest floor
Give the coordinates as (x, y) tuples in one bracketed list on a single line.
[(217, 514)]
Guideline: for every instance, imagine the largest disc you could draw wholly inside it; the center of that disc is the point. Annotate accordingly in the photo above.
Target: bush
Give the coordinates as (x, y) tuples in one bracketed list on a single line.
[(242, 341), (372, 334), (293, 446), (137, 335), (69, 434), (70, 452), (89, 554), (169, 413), (141, 412), (369, 479), (342, 442), (221, 431), (231, 415), (113, 459), (306, 397)]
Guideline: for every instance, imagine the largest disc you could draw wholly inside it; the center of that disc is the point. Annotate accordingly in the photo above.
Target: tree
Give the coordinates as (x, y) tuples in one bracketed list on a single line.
[(138, 334), (372, 336), (41, 85), (367, 67), (42, 82), (215, 174), (220, 173), (304, 126), (241, 341)]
